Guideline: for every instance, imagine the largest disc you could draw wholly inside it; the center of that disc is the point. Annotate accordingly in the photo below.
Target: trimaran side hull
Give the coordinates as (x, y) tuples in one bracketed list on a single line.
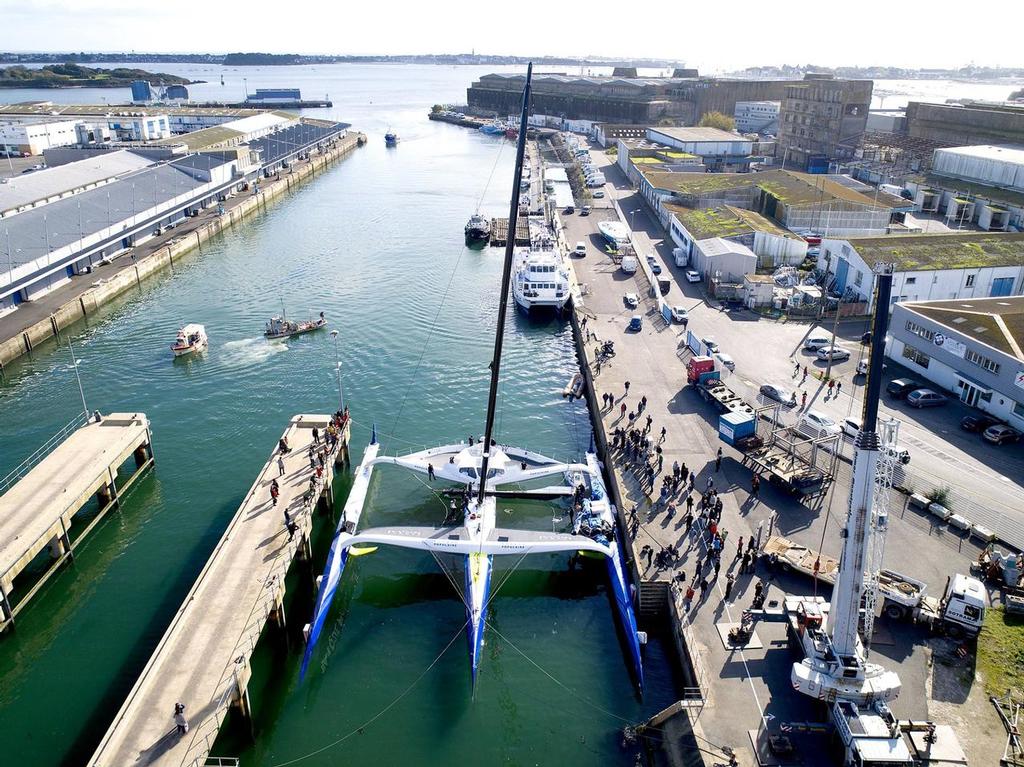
[(337, 558)]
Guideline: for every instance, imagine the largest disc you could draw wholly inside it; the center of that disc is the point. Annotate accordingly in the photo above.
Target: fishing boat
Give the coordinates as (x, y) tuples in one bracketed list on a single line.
[(390, 139), (478, 229), (191, 338), (478, 472), (280, 327)]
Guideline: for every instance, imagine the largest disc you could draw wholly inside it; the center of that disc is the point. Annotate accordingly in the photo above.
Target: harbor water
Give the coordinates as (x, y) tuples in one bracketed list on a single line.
[(376, 243)]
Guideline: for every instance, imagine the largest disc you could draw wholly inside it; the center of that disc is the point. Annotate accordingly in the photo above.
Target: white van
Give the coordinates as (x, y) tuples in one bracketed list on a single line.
[(680, 257), (581, 249), (629, 264)]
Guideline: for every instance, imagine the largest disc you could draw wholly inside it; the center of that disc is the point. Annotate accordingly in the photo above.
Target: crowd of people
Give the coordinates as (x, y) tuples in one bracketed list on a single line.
[(673, 490)]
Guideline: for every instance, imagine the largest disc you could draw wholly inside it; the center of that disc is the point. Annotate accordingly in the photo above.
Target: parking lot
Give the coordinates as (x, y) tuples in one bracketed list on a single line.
[(986, 481)]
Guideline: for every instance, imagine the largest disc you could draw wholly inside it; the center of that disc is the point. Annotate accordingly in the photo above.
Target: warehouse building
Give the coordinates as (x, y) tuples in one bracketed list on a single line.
[(974, 185), (971, 348), (800, 202), (772, 245), (48, 244), (719, 150), (24, 139), (757, 117), (926, 267)]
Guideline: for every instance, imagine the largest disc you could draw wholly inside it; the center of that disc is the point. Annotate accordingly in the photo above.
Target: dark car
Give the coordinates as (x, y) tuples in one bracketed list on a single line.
[(866, 338), (977, 422), (901, 387), (569, 209)]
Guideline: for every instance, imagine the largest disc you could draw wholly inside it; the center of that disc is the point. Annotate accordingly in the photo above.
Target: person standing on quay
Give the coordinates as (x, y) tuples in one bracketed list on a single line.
[(180, 722), (627, 390), (280, 466), (275, 490), (718, 460)]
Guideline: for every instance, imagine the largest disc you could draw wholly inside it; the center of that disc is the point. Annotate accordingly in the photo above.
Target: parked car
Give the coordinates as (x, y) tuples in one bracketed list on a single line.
[(581, 249), (865, 339), (636, 323), (725, 360), (850, 427), (597, 194), (926, 398), (569, 209), (901, 387), (1000, 434), (692, 275), (679, 314), (710, 343), (834, 353), (653, 263), (814, 343), (978, 422), (779, 394), (632, 300), (815, 424), (585, 210)]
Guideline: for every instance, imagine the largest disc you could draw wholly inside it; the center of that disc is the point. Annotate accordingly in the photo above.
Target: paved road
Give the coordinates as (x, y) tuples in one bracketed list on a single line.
[(744, 685), (987, 482)]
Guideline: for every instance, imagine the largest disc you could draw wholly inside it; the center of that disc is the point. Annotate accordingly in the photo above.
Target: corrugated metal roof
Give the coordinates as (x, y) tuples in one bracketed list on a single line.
[(31, 188), (49, 227)]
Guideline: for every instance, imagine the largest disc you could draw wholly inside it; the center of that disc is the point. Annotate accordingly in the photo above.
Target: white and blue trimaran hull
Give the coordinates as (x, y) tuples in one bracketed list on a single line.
[(478, 594), (477, 539)]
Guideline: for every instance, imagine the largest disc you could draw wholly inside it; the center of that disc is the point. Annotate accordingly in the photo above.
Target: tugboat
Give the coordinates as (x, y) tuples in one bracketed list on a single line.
[(279, 327), (478, 229), (191, 338), (390, 138)]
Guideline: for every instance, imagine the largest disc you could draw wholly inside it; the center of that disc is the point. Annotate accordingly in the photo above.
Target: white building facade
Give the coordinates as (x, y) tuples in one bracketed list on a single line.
[(22, 139)]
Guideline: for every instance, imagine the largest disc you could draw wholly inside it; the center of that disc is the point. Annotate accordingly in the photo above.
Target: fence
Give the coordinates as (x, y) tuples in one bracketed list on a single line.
[(23, 468)]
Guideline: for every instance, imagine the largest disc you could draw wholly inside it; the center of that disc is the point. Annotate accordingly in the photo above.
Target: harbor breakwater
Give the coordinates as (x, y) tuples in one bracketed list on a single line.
[(88, 302)]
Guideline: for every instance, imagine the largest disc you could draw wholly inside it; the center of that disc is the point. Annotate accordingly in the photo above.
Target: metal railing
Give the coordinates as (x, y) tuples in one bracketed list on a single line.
[(266, 602), (23, 468)]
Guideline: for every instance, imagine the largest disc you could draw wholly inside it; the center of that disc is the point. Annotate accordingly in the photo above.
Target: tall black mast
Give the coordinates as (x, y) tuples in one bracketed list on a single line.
[(506, 278)]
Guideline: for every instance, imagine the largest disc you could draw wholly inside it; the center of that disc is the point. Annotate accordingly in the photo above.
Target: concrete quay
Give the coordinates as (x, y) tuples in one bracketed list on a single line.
[(202, 661), (738, 692), (35, 322), (41, 499)]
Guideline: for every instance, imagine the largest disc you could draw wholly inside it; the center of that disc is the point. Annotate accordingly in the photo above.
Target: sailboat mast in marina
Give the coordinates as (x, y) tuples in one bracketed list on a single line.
[(482, 470)]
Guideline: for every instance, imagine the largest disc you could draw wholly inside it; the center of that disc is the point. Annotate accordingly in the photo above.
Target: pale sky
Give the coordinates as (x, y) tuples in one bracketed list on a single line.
[(712, 36)]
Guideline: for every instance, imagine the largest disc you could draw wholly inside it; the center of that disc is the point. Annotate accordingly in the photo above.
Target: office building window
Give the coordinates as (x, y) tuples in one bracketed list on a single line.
[(918, 330), (912, 354), (982, 361)]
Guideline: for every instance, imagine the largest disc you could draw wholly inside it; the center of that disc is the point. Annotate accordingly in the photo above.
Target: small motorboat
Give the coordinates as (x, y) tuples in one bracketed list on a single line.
[(575, 386), (191, 338), (390, 139), (280, 327), (478, 229)]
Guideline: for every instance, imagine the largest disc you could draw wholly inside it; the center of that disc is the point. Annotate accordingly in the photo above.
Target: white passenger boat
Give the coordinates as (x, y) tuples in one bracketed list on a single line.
[(477, 473), (540, 278), (191, 338)]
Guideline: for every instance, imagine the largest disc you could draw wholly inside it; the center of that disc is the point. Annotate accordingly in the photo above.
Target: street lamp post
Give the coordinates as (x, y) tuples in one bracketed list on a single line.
[(337, 368), (632, 219), (74, 363)]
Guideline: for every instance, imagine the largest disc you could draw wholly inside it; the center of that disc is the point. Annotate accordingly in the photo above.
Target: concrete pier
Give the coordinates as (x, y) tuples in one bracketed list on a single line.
[(202, 660), (39, 506)]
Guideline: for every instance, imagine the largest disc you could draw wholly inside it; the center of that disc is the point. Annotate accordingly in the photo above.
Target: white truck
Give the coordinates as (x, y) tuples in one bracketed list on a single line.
[(629, 264), (680, 257), (959, 612)]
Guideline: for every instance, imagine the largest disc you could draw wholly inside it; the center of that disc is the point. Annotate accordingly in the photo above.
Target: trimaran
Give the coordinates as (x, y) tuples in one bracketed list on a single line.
[(483, 468)]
